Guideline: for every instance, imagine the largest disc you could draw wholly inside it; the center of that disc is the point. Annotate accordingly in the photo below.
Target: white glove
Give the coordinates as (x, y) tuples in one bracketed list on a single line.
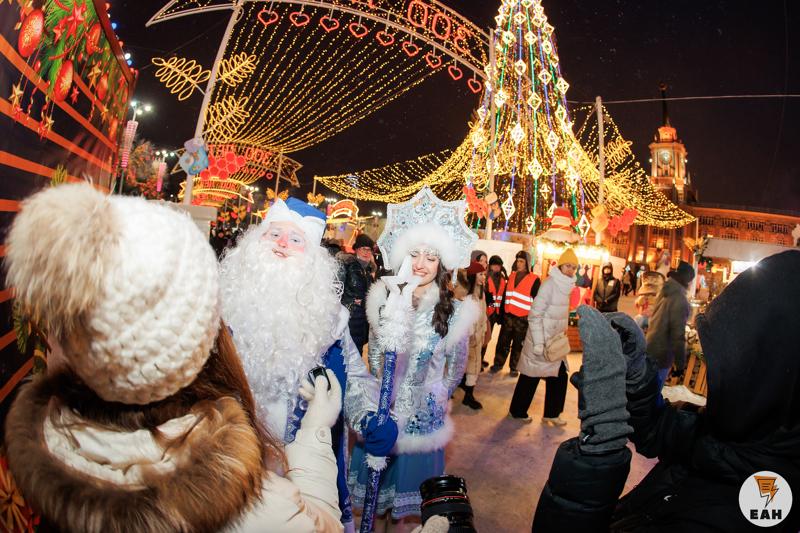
[(398, 313), (435, 524), (323, 405), (538, 350)]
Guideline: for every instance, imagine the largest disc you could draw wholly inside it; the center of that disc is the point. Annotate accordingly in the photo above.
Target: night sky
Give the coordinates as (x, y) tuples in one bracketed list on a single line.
[(740, 151)]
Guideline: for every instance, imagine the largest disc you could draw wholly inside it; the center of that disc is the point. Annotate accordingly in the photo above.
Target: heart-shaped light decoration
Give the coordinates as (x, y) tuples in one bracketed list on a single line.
[(358, 30), (299, 19), (329, 23), (410, 48), (267, 17), (474, 85), (432, 60), (386, 39), (455, 72)]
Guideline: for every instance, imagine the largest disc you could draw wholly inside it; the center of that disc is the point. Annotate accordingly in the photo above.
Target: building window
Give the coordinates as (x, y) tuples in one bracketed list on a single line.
[(757, 237), (707, 221), (729, 235), (730, 223), (754, 225), (783, 241), (783, 229)]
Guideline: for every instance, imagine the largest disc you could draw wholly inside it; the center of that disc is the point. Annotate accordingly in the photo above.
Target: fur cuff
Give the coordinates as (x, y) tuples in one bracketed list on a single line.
[(463, 323), (425, 443), (376, 298), (377, 463)]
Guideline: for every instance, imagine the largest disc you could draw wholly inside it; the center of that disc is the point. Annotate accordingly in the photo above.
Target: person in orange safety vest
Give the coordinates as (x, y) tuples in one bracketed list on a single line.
[(520, 291), (496, 281)]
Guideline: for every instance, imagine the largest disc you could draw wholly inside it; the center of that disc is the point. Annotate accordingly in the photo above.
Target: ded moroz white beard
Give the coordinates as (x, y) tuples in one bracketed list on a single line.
[(283, 313)]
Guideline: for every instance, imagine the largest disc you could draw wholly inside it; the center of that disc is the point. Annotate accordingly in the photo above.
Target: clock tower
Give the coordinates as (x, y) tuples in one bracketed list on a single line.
[(668, 158)]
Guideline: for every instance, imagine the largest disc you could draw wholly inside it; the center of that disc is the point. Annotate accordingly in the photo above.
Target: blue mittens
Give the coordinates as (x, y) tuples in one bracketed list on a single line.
[(378, 440)]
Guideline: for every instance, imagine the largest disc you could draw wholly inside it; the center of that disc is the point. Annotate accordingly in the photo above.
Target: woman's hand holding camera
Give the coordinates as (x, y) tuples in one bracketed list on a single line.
[(324, 403)]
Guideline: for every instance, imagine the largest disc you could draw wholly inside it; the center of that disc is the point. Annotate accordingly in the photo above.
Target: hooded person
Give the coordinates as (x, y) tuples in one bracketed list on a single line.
[(281, 299), (666, 332), (147, 423), (707, 459), (521, 289), (415, 315), (607, 293)]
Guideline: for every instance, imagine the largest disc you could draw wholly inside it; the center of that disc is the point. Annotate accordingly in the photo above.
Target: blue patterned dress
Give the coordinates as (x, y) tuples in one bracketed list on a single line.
[(427, 373)]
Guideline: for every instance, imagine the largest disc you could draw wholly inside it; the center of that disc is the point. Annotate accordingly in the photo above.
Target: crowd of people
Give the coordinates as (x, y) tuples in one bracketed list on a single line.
[(191, 394)]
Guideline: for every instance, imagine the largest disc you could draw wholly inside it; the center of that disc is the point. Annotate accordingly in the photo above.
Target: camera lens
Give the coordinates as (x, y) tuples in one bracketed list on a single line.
[(447, 496)]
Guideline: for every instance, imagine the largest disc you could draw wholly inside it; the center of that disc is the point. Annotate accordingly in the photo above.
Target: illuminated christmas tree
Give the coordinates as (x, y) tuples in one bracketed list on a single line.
[(522, 136)]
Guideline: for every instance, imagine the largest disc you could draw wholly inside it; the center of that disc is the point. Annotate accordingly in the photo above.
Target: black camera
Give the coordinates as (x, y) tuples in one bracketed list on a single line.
[(317, 371), (447, 496)]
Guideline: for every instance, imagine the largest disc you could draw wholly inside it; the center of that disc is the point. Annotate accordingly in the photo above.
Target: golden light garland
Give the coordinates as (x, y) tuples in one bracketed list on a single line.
[(224, 119), (180, 75), (349, 78), (214, 191), (397, 182), (524, 136), (627, 185), (237, 68)]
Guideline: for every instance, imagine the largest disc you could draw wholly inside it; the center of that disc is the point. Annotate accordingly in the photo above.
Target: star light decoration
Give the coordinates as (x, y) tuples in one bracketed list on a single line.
[(16, 95), (425, 207)]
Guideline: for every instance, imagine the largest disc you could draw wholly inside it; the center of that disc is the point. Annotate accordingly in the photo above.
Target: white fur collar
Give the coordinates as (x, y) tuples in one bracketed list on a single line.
[(464, 318), (378, 294)]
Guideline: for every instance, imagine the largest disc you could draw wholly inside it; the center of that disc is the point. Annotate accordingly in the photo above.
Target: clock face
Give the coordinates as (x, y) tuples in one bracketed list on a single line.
[(665, 156)]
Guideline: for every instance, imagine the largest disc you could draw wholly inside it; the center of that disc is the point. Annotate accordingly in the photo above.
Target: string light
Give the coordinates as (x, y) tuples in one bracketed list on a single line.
[(350, 78), (537, 159), (626, 184), (225, 117), (180, 75), (237, 68), (400, 181)]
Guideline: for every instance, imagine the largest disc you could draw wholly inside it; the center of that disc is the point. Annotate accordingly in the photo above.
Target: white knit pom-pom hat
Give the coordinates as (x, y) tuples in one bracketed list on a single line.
[(128, 287)]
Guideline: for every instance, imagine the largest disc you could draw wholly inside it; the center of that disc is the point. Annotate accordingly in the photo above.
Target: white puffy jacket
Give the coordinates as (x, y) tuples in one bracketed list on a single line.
[(549, 315)]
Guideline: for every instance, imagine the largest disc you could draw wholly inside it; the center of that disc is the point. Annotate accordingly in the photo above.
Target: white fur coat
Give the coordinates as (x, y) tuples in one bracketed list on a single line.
[(428, 369)]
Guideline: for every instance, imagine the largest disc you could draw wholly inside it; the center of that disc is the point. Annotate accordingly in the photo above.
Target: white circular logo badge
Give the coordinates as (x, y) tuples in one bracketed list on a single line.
[(765, 499)]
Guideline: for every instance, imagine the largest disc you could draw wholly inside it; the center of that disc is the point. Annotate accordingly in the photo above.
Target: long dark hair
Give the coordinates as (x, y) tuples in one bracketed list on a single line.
[(444, 308), (472, 280)]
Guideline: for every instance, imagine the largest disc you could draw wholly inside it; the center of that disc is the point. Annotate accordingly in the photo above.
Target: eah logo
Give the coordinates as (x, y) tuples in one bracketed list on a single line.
[(765, 499)]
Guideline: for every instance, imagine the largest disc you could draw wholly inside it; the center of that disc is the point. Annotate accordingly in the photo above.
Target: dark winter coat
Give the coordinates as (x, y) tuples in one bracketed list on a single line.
[(666, 333), (751, 423), (607, 294), (356, 279)]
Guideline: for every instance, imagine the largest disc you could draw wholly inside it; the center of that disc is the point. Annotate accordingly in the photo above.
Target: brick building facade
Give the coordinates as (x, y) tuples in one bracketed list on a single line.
[(668, 158)]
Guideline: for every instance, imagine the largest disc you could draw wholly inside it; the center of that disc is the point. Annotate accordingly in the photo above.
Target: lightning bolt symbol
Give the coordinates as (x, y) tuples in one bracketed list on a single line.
[(766, 487)]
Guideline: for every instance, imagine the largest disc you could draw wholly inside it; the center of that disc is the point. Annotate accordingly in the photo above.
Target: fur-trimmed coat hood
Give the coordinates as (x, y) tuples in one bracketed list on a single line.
[(198, 473)]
